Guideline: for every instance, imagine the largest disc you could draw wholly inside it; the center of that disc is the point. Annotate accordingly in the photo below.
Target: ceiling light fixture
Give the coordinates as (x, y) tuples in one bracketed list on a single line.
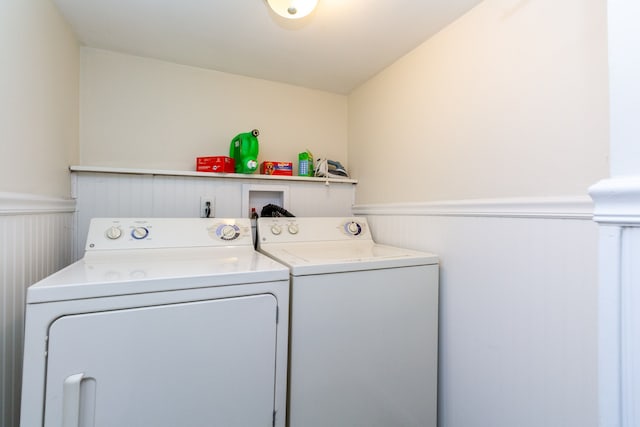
[(293, 9)]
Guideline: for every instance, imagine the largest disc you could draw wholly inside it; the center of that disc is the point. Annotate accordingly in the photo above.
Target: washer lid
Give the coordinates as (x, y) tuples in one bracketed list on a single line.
[(334, 257), (124, 272)]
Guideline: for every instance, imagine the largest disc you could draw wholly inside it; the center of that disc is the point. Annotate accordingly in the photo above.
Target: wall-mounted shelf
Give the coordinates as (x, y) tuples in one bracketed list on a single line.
[(250, 177)]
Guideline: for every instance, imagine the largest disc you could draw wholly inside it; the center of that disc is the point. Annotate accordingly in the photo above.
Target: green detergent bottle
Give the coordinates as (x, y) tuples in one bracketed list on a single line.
[(244, 150)]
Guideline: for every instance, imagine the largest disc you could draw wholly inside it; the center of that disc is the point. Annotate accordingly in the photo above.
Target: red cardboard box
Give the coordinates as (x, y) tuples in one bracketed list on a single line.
[(215, 164), (276, 168)]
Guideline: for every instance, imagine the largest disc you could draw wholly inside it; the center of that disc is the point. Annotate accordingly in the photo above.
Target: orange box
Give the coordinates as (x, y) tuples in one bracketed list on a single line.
[(215, 164), (276, 168)]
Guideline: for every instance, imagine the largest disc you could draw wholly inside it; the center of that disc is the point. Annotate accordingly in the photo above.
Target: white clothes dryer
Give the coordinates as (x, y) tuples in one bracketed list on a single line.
[(363, 324), (164, 323)]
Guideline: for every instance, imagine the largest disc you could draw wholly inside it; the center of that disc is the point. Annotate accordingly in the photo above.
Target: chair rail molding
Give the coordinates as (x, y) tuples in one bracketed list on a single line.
[(570, 207), (22, 204)]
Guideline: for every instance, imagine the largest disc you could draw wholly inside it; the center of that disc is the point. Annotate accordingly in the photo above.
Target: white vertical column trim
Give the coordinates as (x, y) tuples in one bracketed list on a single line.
[(629, 326), (609, 327), (617, 210)]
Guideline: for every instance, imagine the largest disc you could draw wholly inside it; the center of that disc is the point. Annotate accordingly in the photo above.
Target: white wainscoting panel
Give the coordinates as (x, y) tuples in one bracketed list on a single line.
[(32, 246), (104, 194), (518, 310)]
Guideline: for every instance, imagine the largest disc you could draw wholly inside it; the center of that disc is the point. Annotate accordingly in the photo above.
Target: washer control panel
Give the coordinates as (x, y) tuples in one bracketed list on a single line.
[(134, 233), (286, 229)]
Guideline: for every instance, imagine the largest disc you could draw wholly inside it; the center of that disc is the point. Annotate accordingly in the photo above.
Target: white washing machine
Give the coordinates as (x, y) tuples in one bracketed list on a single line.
[(363, 325), (164, 323)]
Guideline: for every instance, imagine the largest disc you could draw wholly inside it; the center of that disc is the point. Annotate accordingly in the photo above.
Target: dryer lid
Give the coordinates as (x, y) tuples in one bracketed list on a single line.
[(126, 272)]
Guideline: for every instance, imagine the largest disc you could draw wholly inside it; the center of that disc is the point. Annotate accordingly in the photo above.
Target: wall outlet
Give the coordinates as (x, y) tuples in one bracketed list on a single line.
[(207, 206)]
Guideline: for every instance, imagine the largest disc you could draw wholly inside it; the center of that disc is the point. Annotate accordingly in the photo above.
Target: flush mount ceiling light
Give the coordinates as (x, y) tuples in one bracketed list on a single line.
[(293, 9)]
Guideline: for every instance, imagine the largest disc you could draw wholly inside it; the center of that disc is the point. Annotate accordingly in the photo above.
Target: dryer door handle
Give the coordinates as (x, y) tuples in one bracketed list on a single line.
[(71, 400)]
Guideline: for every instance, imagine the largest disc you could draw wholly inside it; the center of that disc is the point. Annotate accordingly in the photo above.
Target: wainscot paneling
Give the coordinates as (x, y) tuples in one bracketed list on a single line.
[(35, 241), (518, 306), (121, 193)]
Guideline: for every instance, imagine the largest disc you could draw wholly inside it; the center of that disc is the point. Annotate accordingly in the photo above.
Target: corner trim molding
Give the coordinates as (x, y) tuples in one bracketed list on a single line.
[(573, 207), (617, 201), (24, 204)]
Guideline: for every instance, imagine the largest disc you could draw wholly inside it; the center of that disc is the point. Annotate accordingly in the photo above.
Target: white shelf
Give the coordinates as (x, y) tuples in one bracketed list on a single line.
[(255, 176)]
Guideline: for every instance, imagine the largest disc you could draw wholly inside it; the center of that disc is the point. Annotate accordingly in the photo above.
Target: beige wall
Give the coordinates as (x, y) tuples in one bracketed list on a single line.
[(510, 100), (145, 113), (39, 82)]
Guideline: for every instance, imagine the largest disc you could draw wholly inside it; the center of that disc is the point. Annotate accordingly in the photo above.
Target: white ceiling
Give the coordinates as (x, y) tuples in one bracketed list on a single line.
[(341, 45)]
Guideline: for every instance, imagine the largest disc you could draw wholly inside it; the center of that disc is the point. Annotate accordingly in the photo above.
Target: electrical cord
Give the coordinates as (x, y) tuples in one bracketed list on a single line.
[(271, 210)]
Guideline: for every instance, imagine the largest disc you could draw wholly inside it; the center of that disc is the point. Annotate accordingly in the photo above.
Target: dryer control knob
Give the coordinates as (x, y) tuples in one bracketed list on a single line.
[(229, 232), (114, 233), (293, 228), (354, 228), (276, 229), (139, 233)]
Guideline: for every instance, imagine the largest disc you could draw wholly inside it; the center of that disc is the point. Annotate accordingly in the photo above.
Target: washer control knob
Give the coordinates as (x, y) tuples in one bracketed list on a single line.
[(229, 232), (276, 229), (139, 233), (113, 233), (353, 228), (293, 229)]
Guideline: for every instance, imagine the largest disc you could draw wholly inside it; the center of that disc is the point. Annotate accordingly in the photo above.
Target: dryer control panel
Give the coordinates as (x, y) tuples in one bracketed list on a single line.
[(323, 229), (150, 233)]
